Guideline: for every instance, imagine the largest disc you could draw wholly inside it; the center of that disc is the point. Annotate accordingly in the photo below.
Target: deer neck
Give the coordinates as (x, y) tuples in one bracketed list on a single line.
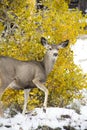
[(48, 64)]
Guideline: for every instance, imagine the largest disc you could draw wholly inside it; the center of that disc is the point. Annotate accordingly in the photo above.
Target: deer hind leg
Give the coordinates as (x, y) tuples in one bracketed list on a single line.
[(14, 85), (1, 103), (26, 96), (44, 89), (2, 91), (1, 110)]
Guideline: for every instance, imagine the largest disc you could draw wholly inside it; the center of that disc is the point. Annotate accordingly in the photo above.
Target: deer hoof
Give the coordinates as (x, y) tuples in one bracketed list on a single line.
[(44, 110)]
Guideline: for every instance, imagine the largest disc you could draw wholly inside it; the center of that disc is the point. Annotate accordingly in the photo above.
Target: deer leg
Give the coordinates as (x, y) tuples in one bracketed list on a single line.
[(44, 89), (26, 95), (2, 91), (1, 103), (12, 85), (1, 110)]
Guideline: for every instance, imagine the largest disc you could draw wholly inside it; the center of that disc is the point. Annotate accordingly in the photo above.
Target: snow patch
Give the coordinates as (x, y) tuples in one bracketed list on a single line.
[(80, 53), (53, 118)]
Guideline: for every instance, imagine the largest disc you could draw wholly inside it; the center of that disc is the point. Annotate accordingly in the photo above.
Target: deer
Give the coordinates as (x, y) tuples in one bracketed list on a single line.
[(25, 75)]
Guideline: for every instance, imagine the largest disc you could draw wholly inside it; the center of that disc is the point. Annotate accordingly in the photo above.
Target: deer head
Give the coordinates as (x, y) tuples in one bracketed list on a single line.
[(53, 49)]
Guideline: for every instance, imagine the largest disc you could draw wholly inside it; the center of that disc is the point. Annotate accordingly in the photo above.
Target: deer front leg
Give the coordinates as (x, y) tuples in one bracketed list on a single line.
[(44, 89), (26, 95)]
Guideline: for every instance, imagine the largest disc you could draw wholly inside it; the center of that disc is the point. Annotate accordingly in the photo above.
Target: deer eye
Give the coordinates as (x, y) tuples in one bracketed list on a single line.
[(50, 48)]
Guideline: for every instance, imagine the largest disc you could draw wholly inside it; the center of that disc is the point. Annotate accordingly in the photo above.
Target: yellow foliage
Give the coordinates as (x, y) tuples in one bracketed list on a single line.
[(57, 24), (65, 80)]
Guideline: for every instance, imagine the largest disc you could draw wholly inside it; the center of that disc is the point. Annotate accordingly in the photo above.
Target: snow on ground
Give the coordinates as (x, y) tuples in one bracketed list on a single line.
[(80, 53), (54, 117)]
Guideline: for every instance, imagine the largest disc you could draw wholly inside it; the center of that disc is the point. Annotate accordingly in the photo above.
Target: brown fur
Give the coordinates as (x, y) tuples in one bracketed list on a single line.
[(26, 75)]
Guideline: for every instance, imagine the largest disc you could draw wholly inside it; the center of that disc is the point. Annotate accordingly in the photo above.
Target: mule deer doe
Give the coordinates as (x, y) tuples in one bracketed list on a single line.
[(25, 75)]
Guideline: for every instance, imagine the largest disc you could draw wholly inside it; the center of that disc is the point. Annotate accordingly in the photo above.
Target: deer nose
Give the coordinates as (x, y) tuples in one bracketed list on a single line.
[(55, 54)]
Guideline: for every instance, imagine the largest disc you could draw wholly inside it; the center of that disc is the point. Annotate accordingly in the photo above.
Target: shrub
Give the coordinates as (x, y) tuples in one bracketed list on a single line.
[(23, 27)]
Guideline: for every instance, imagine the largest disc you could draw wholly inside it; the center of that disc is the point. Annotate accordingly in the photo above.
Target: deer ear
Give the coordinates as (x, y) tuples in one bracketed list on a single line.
[(43, 41), (63, 44)]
